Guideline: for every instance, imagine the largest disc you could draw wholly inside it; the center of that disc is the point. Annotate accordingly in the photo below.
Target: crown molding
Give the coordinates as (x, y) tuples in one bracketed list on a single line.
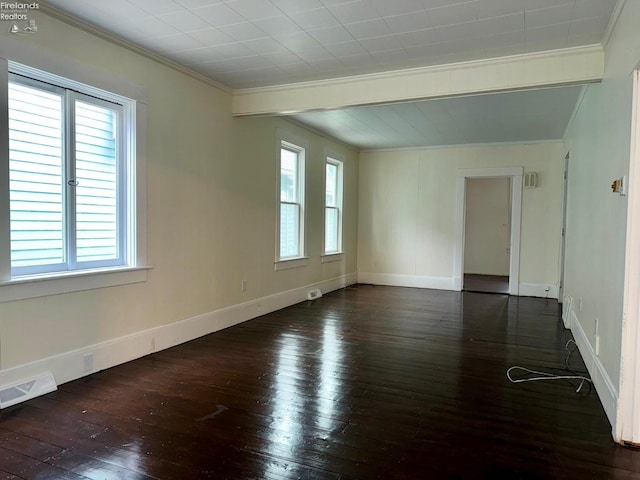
[(393, 74), (617, 10), (570, 66)]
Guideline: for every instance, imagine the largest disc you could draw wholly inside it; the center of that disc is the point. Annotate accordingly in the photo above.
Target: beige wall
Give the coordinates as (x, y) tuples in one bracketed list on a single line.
[(408, 208), (211, 213), (487, 232)]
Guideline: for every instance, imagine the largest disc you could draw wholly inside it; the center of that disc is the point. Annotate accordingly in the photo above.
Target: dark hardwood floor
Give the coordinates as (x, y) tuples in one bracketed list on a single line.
[(366, 382), (474, 282)]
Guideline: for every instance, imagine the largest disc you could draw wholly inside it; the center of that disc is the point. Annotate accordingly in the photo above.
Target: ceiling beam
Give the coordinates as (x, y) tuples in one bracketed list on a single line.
[(569, 66)]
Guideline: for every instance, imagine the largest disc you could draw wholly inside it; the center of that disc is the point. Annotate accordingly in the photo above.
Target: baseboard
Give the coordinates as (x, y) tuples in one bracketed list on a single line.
[(538, 290), (70, 365), (607, 391), (397, 280), (447, 283), (567, 306)]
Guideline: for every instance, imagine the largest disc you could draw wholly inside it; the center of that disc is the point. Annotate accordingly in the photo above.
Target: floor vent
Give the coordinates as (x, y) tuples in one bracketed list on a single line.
[(313, 294), (27, 389)]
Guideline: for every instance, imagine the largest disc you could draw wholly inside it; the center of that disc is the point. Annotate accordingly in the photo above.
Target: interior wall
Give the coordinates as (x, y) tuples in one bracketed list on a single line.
[(487, 233), (407, 211), (599, 142), (211, 197)]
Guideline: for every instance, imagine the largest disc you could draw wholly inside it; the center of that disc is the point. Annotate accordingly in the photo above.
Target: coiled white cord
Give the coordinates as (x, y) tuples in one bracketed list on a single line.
[(548, 376)]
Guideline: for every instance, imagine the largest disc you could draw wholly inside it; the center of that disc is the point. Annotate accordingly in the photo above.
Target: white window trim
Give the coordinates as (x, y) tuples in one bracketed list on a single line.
[(291, 263), (337, 159), (287, 139), (31, 286), (332, 257)]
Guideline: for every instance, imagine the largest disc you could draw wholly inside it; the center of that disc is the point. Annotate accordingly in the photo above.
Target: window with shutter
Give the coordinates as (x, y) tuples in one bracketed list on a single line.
[(67, 178)]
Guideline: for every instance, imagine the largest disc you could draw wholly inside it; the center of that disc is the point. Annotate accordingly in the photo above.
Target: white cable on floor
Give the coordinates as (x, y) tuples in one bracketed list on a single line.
[(546, 375)]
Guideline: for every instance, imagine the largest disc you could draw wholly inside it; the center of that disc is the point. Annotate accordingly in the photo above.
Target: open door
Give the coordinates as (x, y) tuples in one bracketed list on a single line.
[(515, 176), (487, 242)]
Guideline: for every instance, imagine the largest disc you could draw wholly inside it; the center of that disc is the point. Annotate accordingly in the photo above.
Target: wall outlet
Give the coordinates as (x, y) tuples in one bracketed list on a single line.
[(243, 285), (87, 363)]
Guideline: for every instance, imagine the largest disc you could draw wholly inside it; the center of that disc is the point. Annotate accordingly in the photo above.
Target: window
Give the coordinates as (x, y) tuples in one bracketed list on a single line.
[(291, 203), (72, 181), (333, 207)]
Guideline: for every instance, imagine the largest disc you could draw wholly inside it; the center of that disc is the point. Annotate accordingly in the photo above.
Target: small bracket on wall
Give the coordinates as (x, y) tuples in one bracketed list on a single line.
[(619, 186), (530, 180)]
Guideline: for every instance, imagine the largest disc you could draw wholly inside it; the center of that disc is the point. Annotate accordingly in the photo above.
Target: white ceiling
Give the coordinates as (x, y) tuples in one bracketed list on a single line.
[(256, 43), (530, 115)]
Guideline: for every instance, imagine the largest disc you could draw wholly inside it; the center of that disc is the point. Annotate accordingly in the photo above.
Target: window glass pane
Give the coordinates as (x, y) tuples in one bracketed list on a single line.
[(97, 175), (35, 176), (330, 230), (331, 185), (289, 230), (288, 175)]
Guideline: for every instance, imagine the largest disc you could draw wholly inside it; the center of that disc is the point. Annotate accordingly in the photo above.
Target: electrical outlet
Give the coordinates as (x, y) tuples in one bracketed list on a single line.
[(243, 286)]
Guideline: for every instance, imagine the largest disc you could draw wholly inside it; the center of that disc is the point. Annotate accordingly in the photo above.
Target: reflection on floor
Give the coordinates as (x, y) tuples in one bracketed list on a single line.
[(363, 383), (486, 283)]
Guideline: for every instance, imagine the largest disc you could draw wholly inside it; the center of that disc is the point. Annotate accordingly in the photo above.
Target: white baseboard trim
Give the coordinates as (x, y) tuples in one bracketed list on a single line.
[(447, 283), (607, 391), (538, 290), (398, 280), (68, 366)]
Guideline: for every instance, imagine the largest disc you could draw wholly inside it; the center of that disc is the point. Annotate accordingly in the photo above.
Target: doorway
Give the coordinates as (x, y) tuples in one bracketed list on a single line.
[(514, 174), (487, 233)]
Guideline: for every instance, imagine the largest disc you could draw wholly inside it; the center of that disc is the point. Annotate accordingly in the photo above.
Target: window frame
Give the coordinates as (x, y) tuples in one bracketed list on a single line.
[(124, 163), (337, 160), (290, 142), (62, 72)]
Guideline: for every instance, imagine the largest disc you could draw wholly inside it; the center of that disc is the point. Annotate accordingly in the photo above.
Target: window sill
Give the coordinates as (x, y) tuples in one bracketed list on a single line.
[(32, 286), (332, 257), (291, 263)]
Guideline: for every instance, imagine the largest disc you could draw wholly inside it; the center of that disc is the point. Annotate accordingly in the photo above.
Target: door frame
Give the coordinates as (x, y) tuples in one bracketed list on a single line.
[(563, 246), (627, 425), (515, 173)]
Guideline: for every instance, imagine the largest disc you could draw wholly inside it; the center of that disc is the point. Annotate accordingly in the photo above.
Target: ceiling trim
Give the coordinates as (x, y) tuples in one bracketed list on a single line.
[(617, 10), (574, 114), (568, 66), (121, 42), (460, 145), (321, 133)]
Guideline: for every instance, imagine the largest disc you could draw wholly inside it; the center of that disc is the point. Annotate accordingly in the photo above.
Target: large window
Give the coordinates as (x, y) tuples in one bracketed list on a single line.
[(291, 213), (71, 170), (333, 207)]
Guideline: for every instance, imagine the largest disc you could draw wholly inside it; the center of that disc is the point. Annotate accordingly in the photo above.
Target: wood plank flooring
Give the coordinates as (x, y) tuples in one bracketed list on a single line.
[(474, 282), (363, 383)]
